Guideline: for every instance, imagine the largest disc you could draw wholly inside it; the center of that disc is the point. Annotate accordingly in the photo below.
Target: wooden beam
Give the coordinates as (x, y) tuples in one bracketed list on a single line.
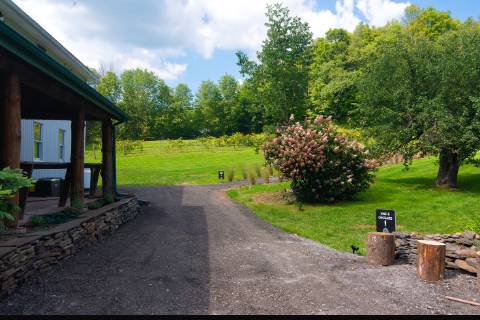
[(40, 88), (107, 159), (77, 157), (10, 127)]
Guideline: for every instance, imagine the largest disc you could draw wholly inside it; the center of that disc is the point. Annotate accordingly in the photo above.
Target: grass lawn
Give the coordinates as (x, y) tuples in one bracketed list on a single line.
[(420, 207), (160, 163)]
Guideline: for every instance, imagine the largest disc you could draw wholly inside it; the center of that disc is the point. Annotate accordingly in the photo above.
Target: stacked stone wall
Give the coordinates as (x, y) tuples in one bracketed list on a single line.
[(23, 257)]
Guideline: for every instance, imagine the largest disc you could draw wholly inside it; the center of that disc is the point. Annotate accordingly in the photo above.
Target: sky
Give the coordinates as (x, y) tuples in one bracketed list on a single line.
[(187, 41)]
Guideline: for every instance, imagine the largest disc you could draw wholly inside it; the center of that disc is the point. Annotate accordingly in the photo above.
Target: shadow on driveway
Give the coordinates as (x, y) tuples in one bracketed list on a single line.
[(156, 264)]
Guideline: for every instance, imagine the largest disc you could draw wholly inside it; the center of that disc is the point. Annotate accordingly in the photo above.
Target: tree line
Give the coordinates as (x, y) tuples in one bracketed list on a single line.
[(410, 86)]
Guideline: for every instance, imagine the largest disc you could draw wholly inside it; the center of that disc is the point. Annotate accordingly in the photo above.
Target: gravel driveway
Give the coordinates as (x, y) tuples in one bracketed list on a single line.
[(194, 251)]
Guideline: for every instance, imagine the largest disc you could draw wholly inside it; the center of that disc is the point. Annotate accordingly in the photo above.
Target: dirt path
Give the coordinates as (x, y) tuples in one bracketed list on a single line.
[(195, 251)]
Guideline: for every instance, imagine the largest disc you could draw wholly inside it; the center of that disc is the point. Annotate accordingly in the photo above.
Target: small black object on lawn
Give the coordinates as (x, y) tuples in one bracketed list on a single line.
[(221, 175), (386, 221)]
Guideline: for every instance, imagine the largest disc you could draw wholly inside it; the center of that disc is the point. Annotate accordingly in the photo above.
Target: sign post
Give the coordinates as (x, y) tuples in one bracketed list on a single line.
[(221, 175), (386, 221)]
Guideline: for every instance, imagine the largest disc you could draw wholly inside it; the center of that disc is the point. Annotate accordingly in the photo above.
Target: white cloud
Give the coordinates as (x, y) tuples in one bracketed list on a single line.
[(379, 12), (150, 33)]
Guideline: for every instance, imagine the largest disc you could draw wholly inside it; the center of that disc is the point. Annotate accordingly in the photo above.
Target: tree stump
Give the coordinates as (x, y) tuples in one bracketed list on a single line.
[(381, 248), (431, 260)]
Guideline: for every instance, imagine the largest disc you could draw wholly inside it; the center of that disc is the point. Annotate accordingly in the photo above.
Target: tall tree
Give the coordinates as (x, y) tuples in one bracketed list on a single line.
[(209, 109), (281, 76), (421, 93)]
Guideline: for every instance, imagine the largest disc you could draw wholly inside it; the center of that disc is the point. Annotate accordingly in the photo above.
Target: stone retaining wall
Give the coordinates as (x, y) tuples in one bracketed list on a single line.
[(20, 258), (463, 249)]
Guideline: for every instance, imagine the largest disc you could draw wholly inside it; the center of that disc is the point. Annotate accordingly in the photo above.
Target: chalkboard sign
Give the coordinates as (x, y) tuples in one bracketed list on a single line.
[(386, 221), (221, 175)]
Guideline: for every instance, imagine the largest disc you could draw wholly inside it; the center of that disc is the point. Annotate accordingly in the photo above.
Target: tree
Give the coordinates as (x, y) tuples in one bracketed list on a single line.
[(332, 74), (429, 22), (281, 76), (209, 110), (145, 98), (421, 94)]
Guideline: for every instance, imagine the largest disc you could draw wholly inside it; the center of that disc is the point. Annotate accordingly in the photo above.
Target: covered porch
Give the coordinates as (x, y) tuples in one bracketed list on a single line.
[(35, 86)]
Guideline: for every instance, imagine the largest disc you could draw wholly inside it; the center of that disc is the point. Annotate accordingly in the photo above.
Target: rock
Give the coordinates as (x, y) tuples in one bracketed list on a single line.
[(462, 264), (467, 253), (473, 262), (451, 265), (469, 235)]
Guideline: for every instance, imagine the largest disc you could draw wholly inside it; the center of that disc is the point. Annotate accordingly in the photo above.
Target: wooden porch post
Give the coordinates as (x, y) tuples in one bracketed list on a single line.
[(107, 161), (77, 157), (10, 127)]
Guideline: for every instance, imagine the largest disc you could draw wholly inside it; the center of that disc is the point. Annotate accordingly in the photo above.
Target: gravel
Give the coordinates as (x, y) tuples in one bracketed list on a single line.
[(193, 251)]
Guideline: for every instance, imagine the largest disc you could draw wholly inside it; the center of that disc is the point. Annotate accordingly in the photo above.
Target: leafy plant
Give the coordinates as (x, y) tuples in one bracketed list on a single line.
[(36, 221), (11, 181), (323, 166), (108, 198)]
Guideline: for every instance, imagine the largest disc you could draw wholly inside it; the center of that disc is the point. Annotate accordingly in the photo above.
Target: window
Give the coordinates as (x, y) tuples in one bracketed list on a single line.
[(37, 141), (61, 144)]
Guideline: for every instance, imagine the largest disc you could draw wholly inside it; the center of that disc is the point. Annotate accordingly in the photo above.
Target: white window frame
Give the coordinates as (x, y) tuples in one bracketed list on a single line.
[(61, 145), (38, 143)]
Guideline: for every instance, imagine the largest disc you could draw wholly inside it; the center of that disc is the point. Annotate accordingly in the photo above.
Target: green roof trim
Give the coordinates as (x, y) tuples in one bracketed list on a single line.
[(30, 53)]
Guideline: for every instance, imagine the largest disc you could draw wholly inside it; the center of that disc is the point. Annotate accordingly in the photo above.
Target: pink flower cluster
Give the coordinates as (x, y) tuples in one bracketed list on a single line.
[(322, 165)]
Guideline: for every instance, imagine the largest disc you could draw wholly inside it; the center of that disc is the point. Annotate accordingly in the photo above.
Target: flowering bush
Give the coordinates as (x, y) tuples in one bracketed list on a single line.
[(322, 165)]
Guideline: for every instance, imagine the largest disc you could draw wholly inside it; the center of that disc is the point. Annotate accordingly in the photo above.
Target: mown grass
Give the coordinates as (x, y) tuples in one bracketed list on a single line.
[(420, 207), (161, 163)]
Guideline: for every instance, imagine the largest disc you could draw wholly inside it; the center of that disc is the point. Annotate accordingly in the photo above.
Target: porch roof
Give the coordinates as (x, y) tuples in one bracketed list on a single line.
[(20, 47)]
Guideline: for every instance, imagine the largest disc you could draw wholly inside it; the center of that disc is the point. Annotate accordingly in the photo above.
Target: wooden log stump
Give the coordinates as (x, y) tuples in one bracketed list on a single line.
[(431, 260), (381, 248)]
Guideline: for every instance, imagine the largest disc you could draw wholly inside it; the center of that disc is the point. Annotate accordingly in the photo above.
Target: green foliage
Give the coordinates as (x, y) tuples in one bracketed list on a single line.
[(421, 208), (474, 225), (230, 174), (422, 95), (280, 78), (258, 170), (129, 146), (322, 165), (36, 221), (244, 170), (11, 181), (266, 175), (252, 178)]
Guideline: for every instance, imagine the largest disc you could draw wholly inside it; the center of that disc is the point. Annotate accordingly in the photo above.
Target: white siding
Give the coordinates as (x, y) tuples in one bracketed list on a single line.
[(50, 147)]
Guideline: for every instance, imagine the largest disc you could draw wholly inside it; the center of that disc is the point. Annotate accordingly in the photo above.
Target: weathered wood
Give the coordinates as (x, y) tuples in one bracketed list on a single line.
[(381, 248), (46, 97), (473, 303), (107, 158), (10, 127), (77, 156), (431, 260)]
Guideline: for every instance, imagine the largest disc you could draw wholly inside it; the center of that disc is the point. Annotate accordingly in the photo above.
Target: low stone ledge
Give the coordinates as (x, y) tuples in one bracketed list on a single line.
[(23, 257), (462, 249)]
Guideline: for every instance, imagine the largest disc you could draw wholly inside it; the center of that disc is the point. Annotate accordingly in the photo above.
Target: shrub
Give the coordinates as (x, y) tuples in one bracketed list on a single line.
[(230, 174), (322, 165), (36, 221), (11, 181)]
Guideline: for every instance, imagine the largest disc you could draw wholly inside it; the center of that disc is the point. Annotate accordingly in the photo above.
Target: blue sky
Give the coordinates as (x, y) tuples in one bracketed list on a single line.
[(193, 40)]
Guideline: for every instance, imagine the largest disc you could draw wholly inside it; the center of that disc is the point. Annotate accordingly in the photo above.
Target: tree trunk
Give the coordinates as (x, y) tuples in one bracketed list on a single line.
[(448, 170), (430, 260), (381, 248)]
